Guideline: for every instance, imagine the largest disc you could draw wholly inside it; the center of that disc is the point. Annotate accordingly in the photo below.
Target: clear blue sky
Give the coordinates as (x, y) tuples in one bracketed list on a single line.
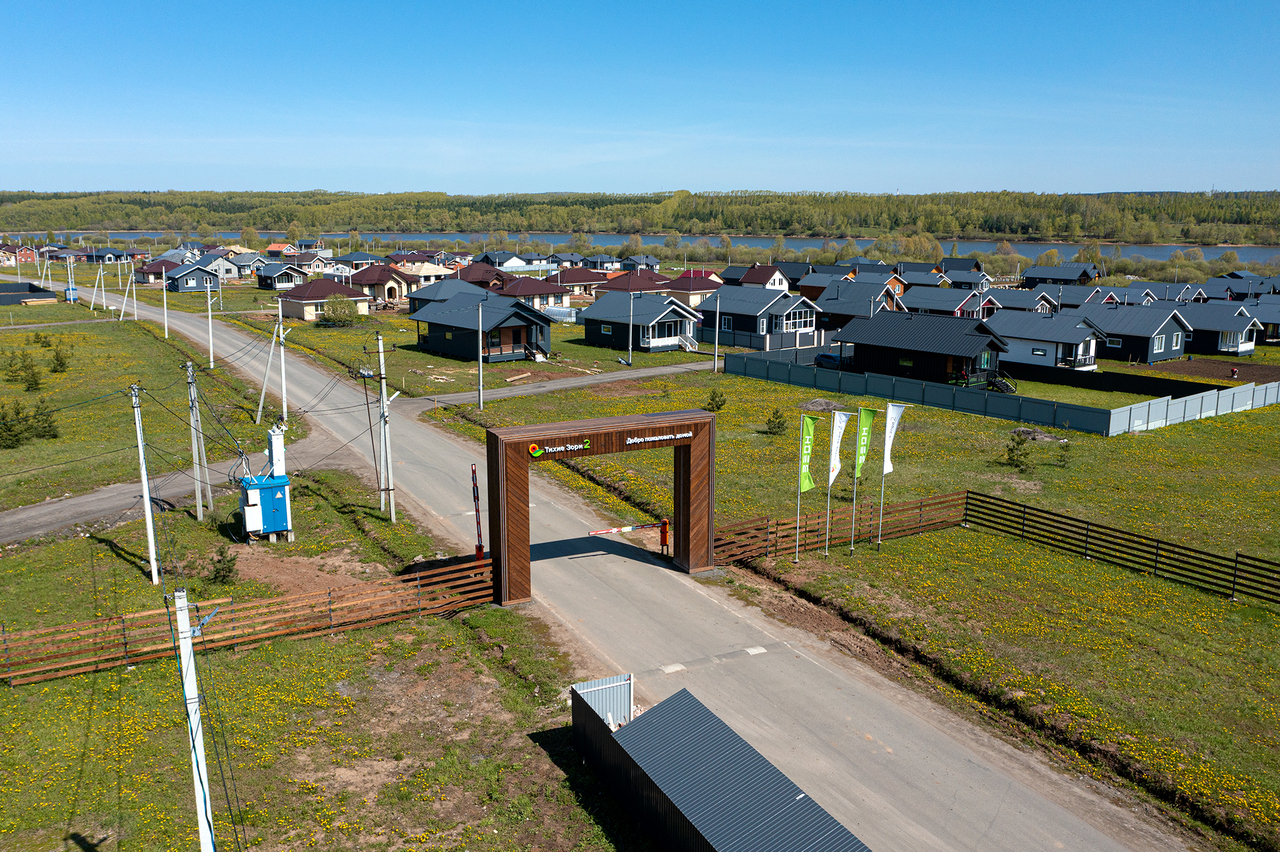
[(484, 97)]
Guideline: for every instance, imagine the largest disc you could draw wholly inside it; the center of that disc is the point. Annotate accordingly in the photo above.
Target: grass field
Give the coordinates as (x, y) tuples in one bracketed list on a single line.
[(235, 298), (1175, 687), (1079, 396), (97, 443), (428, 733), (16, 315), (1208, 484)]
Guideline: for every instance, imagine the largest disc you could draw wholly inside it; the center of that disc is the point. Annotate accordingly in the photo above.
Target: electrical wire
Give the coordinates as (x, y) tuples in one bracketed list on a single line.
[(69, 461), (215, 712)]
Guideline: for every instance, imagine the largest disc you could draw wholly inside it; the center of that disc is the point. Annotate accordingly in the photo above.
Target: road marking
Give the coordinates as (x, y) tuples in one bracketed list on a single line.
[(757, 650), (673, 668)]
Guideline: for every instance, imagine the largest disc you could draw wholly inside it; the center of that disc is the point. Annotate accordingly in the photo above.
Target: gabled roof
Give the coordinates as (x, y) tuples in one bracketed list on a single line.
[(850, 298), (1214, 316), (460, 311), (604, 258), (246, 259), (207, 260), (160, 266), (494, 258), (967, 276), (939, 298), (733, 274), (875, 276), (753, 302), (921, 279), (184, 270), (645, 259), (687, 283), (578, 276), (271, 270), (483, 272), (1015, 298), (1050, 328), (1065, 274), (1071, 295), (634, 283), (760, 275), (361, 257), (567, 257), (959, 264), (859, 260), (444, 290), (1129, 320), (944, 335), (532, 287), (320, 290), (916, 266), (1241, 273), (1265, 309), (642, 308), (794, 270), (272, 247), (845, 270), (382, 273)]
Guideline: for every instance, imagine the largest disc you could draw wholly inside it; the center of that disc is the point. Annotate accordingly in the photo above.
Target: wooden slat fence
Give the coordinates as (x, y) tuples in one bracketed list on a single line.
[(31, 656), (763, 537), (1230, 576)]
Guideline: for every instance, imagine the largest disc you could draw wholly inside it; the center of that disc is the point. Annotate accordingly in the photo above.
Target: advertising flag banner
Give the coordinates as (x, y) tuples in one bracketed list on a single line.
[(808, 424), (892, 417), (838, 421), (865, 418)]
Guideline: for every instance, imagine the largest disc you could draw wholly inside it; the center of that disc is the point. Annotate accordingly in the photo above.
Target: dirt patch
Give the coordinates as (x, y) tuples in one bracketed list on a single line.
[(1211, 368), (1008, 480), (298, 575)]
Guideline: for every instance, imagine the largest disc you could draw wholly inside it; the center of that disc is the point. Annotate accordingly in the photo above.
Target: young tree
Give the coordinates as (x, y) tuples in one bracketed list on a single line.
[(776, 424), (294, 233), (249, 237), (30, 372), (61, 359), (205, 233), (339, 311), (43, 424), (1048, 258)]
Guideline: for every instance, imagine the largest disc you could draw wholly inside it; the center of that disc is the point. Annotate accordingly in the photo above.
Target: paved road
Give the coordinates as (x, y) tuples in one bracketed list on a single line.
[(898, 771)]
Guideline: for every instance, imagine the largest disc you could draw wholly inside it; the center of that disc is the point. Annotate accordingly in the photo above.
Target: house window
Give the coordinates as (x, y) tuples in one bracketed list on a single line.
[(1114, 342), (606, 329), (801, 319), (1039, 352), (448, 335), (1159, 342), (762, 325), (1177, 339), (726, 323), (905, 362)]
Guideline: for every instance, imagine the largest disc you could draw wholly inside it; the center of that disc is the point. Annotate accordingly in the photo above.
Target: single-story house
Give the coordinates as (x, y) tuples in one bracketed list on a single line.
[(768, 277), (1143, 333), (311, 263), (154, 272), (567, 260), (383, 282), (280, 276), (634, 282), (922, 279), (358, 260), (484, 274), (1046, 276), (536, 292), (871, 275), (1073, 296), (640, 261), (500, 259), (926, 347), (247, 264), (218, 265), (1241, 274), (178, 255), (306, 301), (579, 281), (426, 270), (733, 274), (1266, 310), (758, 318), (603, 261), (948, 301), (190, 278), (106, 255), (440, 291), (692, 290), (1218, 328), (311, 245), (794, 270), (968, 279), (961, 264), (905, 266), (1228, 288), (1051, 340), (1017, 299), (512, 331), (277, 249), (842, 300), (657, 323), (1184, 293)]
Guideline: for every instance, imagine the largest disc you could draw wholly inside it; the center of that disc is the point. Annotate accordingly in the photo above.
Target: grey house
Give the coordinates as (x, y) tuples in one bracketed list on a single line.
[(1218, 327), (948, 301), (190, 278), (657, 323), (218, 265), (1050, 340), (950, 350), (606, 262), (1046, 276), (247, 264), (440, 291), (641, 261), (1266, 310), (842, 300), (280, 276), (1142, 333), (512, 330), (758, 318)]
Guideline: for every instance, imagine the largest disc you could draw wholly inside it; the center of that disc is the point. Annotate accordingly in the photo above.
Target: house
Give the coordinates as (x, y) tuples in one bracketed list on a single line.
[(1185, 293), (358, 260), (383, 282), (315, 245), (536, 293), (500, 259), (280, 276), (106, 255), (22, 254), (247, 264), (483, 274), (1072, 295), (567, 260), (858, 262), (1017, 299), (1143, 333), (1266, 310), (190, 278), (440, 291), (1045, 276), (579, 281), (1092, 268), (758, 318), (878, 277), (426, 270), (512, 331), (192, 245), (218, 265), (1217, 328), (311, 263), (603, 261), (842, 300), (306, 301), (768, 277), (968, 279), (640, 261), (692, 290), (275, 249), (926, 347), (634, 282), (657, 323), (794, 270), (178, 255), (532, 258), (922, 279), (961, 264), (733, 274), (137, 255), (948, 301), (154, 272), (1241, 275), (815, 284), (1051, 340), (1227, 288), (927, 267)]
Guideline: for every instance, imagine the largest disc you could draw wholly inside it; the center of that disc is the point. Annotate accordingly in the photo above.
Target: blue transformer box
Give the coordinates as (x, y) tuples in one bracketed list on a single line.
[(265, 506)]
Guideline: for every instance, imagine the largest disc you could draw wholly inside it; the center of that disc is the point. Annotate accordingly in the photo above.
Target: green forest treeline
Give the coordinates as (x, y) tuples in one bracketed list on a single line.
[(1204, 218)]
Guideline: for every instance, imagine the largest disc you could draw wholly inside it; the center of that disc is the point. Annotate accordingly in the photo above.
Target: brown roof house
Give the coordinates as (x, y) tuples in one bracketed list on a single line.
[(306, 301), (634, 282), (384, 283), (691, 290), (536, 293), (579, 281)]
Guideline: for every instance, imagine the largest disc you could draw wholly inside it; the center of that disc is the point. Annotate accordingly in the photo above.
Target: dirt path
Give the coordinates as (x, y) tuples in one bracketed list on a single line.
[(1212, 368)]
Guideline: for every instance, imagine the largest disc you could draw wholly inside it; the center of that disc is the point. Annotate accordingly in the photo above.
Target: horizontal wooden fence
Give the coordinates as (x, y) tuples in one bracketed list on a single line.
[(1230, 576), (37, 655), (764, 537)]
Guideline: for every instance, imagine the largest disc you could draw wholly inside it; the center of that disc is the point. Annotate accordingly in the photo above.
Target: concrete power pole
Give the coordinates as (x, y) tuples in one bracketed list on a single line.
[(208, 295), (284, 389), (199, 459), (146, 488), (191, 695), (271, 354), (389, 482)]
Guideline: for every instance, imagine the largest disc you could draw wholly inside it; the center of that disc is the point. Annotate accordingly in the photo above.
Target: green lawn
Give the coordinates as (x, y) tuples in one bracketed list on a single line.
[(1178, 687), (1079, 396), (235, 297), (13, 315), (97, 442)]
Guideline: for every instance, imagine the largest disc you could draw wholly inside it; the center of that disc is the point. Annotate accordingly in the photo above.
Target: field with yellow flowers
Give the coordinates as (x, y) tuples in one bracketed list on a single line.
[(1173, 688), (445, 733)]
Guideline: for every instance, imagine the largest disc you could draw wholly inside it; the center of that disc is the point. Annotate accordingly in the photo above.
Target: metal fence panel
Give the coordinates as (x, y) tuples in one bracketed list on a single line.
[(939, 396), (1159, 411), (1040, 411), (828, 380), (970, 400), (878, 385), (1082, 418), (999, 405), (798, 374), (853, 383)]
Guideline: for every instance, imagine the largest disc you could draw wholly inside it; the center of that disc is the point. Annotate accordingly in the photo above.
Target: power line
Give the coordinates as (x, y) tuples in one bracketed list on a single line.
[(69, 461)]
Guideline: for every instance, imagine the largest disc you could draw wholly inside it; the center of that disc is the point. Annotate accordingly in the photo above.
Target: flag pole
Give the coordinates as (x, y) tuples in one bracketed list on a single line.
[(826, 544), (880, 531), (799, 466), (853, 523)]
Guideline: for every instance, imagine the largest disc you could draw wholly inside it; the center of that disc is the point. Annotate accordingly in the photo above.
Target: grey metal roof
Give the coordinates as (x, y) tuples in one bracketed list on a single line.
[(752, 301), (915, 266), (646, 259), (734, 273), (184, 270), (460, 311), (1214, 316), (938, 298), (1265, 310), (922, 333), (567, 257), (245, 259), (967, 276), (921, 279), (1064, 274), (604, 258), (271, 270), (956, 264), (735, 798), (1051, 328), (794, 270), (443, 290), (1022, 300), (647, 309), (851, 298), (859, 261), (360, 257), (1069, 295), (844, 270), (1130, 320), (868, 275)]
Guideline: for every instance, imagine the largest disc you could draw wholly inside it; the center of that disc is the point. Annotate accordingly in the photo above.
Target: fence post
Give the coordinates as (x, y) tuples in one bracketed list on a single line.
[(1086, 539), (1024, 521), (8, 667), (418, 576), (1235, 569), (1155, 569), (919, 515), (331, 609), (124, 639)]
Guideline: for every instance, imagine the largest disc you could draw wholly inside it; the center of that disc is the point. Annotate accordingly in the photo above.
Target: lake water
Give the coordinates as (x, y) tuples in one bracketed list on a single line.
[(1252, 254)]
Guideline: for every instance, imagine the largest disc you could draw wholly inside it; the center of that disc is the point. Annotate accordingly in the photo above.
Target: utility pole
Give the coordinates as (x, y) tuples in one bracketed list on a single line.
[(480, 352), (284, 389), (146, 487), (631, 316), (192, 407), (191, 697), (164, 296), (715, 359), (386, 431), (266, 374), (208, 295)]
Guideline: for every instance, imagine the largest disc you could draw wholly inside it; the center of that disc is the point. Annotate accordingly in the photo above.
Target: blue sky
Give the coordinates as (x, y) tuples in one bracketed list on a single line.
[(484, 97)]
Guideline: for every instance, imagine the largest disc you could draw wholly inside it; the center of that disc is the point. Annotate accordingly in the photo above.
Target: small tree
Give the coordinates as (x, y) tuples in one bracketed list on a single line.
[(1064, 454), (339, 310), (294, 233), (43, 424), (222, 569), (776, 424), (30, 372), (61, 358), (1018, 453), (715, 401)]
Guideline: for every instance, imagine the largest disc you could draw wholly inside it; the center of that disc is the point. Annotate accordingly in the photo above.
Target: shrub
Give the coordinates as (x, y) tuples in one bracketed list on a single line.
[(222, 569), (715, 401), (61, 359), (340, 311), (30, 372), (776, 424), (1018, 453), (43, 424)]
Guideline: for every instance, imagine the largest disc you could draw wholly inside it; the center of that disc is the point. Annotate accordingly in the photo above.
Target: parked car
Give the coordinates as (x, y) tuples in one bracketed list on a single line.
[(831, 361)]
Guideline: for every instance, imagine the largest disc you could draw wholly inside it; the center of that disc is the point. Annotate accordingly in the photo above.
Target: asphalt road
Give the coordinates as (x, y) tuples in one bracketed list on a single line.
[(893, 767)]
